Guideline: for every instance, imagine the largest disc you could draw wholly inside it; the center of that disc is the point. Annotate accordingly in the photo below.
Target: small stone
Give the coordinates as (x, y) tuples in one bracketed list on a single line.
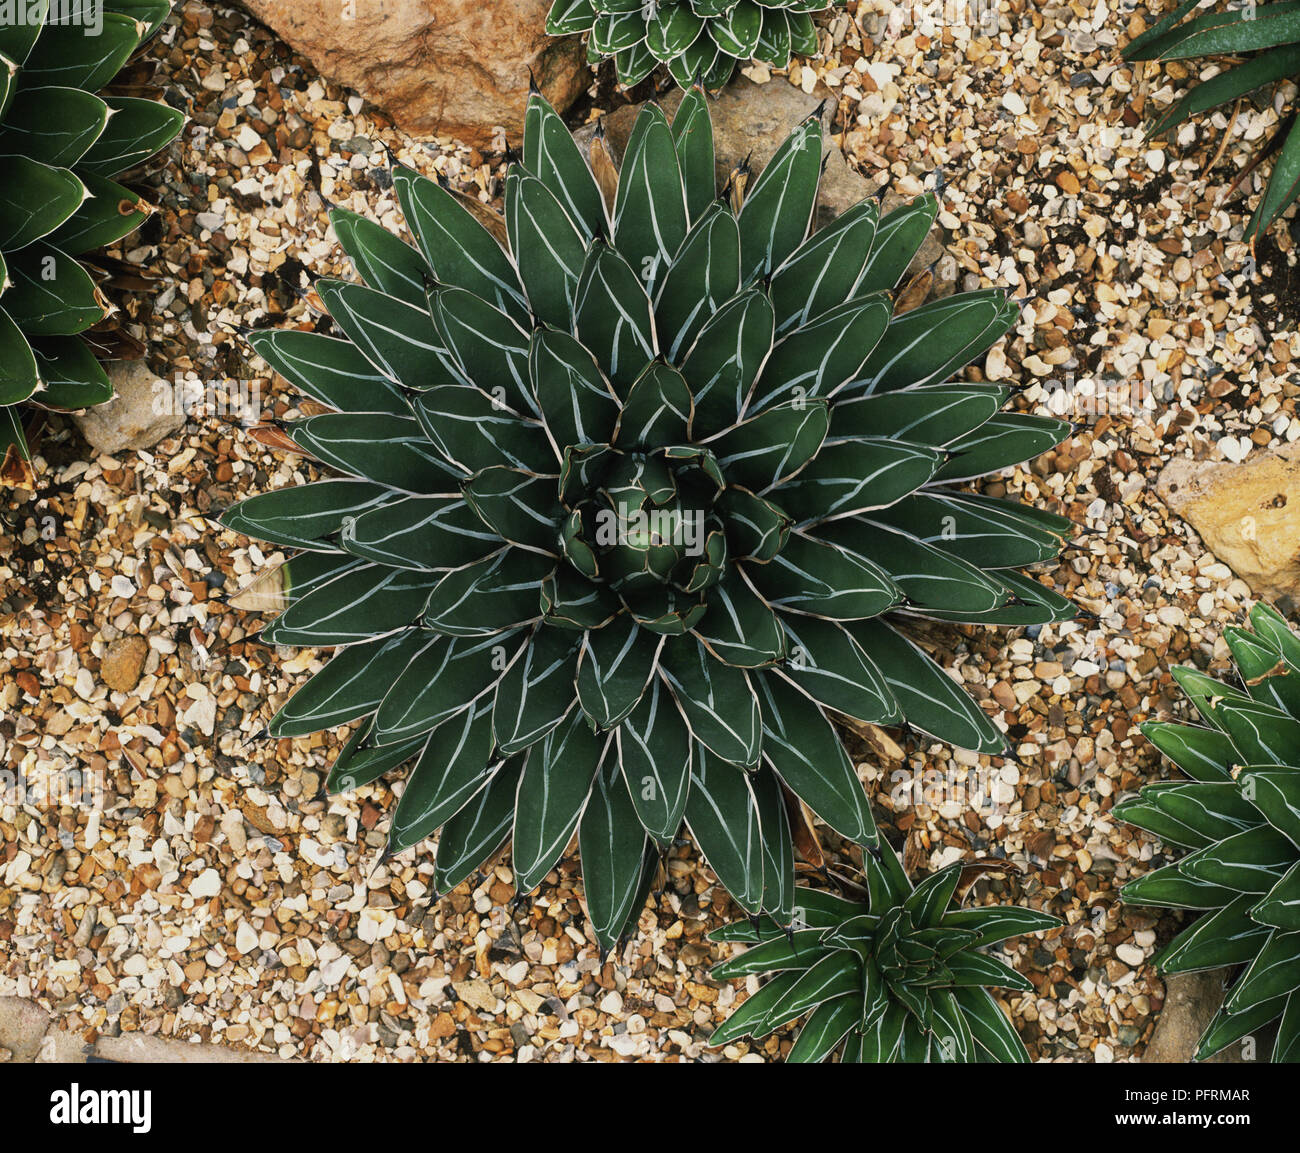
[(123, 663)]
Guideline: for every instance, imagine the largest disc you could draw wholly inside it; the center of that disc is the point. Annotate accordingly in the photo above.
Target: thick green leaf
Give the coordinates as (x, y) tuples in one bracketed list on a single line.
[(824, 1030), (536, 692), (444, 678), (56, 126), (807, 754), (1203, 754), (384, 261), (389, 450), (650, 209), (613, 846), (898, 237), (700, 280), (778, 847), (548, 248), (929, 344), (983, 531), (693, 139), (490, 596), (398, 339), (1274, 973), (359, 763), (824, 356), (64, 56), (519, 506), (552, 155), (767, 450), (655, 754), (364, 602), (19, 377), (657, 410), (335, 372), (725, 360), (553, 792), (931, 700), (739, 628), (717, 701), (579, 406), (823, 272), (305, 516), (614, 668), (989, 1027), (452, 769), (612, 317), (1168, 887), (778, 210), (35, 199), (1250, 862), (830, 666), (825, 580), (722, 815), (427, 533), (849, 477), (351, 685), (472, 431), (51, 293), (138, 128), (461, 252), (478, 831)]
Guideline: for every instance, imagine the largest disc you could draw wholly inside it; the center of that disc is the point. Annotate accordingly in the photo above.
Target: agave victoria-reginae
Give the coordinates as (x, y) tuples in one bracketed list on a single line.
[(1240, 815), (696, 39), (60, 148), (898, 976), (641, 481), (1260, 44)]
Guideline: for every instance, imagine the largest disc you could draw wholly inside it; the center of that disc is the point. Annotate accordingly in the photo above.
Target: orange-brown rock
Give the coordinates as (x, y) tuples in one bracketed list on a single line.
[(438, 67)]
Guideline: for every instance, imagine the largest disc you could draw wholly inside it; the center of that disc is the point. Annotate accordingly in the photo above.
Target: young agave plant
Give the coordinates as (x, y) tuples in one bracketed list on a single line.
[(641, 480), (697, 39), (60, 148), (897, 977), (1240, 815), (1263, 42)]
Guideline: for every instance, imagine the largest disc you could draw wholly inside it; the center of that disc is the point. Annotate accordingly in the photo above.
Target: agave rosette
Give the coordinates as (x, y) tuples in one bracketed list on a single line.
[(697, 39), (1239, 815), (1259, 46), (899, 976), (61, 146), (528, 412)]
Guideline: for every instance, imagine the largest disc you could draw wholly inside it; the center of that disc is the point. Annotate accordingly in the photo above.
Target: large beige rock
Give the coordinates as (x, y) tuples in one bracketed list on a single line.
[(437, 67), (1247, 514), (142, 411)]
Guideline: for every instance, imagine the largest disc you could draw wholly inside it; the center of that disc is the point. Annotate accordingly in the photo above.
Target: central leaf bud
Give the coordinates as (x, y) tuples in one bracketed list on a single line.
[(649, 522)]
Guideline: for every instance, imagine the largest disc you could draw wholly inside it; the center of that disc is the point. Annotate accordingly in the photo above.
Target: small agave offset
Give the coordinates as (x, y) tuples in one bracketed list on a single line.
[(1240, 815), (897, 977), (696, 39), (1259, 45), (60, 148), (642, 483)]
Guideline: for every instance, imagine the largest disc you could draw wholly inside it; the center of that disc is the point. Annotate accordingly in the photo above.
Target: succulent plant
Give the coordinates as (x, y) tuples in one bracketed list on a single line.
[(899, 976), (640, 480), (60, 148), (698, 39), (1259, 45), (1239, 813)]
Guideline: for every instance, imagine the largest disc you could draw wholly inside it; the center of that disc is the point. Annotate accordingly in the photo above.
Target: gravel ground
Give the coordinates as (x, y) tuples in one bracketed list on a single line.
[(211, 894)]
